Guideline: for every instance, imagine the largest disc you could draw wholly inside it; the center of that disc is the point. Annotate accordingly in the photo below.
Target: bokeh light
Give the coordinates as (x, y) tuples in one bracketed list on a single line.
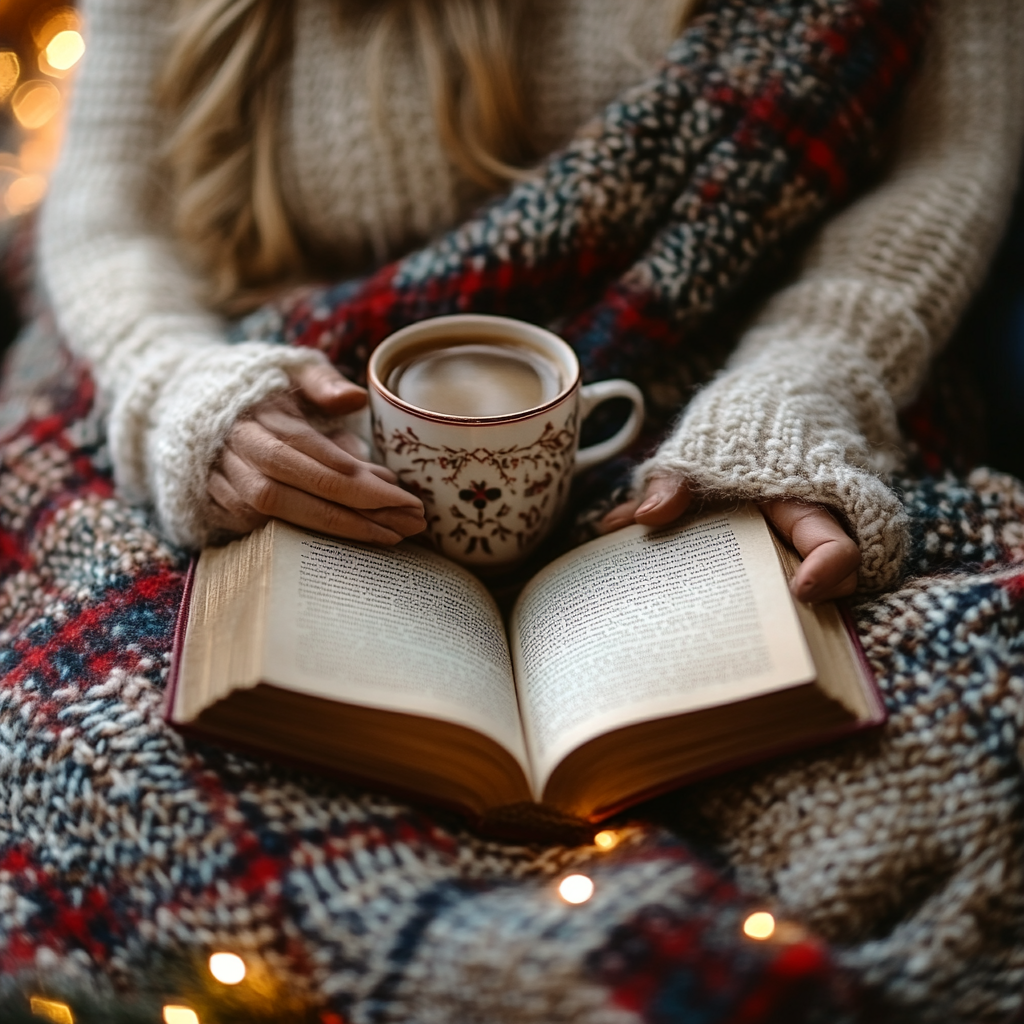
[(38, 153), (180, 1015), (606, 840), (576, 889), (227, 968), (10, 71), (49, 1009), (35, 103), (24, 193), (63, 51), (51, 21), (759, 925)]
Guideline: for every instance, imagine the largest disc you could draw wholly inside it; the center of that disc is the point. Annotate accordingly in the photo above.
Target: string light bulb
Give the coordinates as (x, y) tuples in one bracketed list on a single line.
[(227, 968), (606, 840), (24, 193), (759, 925), (180, 1015), (63, 51), (59, 1013), (35, 103), (10, 72), (576, 889)]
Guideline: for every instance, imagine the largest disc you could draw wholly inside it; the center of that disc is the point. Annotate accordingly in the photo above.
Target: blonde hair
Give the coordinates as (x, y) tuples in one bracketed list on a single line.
[(222, 87)]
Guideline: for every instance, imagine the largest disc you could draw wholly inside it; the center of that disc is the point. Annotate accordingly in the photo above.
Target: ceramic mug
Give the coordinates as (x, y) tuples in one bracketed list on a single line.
[(492, 486)]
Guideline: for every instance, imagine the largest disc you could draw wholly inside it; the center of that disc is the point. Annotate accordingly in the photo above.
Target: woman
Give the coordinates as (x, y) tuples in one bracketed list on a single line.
[(258, 145), (257, 200)]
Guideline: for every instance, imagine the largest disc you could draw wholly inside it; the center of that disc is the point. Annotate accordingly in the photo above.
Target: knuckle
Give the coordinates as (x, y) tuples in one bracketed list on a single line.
[(262, 494), (327, 483)]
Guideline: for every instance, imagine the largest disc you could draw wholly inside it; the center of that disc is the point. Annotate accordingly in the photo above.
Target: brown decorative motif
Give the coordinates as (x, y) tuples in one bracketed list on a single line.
[(547, 452), (531, 468)]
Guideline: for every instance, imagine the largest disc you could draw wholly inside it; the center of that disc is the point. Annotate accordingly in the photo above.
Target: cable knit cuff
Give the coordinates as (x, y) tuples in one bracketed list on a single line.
[(168, 430), (791, 423)]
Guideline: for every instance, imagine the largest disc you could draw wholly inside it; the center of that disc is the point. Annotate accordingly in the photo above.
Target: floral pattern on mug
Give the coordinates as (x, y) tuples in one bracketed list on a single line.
[(532, 476)]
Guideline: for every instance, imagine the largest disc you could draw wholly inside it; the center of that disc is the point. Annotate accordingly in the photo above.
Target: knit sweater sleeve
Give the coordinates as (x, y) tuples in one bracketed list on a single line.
[(807, 406), (171, 385)]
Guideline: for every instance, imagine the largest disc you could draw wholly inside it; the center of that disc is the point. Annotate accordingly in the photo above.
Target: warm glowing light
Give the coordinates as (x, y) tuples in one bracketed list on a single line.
[(760, 925), (60, 20), (64, 50), (227, 968), (180, 1015), (10, 70), (606, 840), (38, 153), (24, 193), (35, 103), (57, 1012), (576, 889)]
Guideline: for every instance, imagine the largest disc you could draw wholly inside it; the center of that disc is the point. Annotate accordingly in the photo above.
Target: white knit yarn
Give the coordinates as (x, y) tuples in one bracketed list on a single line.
[(807, 405)]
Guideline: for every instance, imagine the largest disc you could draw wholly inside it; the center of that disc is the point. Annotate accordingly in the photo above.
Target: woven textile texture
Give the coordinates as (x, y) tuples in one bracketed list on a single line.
[(123, 847), (120, 843)]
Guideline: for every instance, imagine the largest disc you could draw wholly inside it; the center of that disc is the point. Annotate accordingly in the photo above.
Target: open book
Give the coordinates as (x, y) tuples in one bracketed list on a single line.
[(633, 663)]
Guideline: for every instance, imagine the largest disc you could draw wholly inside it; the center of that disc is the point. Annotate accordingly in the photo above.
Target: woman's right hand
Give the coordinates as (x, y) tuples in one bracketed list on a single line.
[(276, 464), (830, 556)]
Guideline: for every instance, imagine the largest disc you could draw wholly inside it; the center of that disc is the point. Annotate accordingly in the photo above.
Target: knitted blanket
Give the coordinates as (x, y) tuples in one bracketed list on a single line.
[(892, 863), (127, 853)]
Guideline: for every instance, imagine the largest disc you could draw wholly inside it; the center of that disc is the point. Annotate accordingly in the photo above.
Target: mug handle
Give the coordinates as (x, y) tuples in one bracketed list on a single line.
[(591, 396)]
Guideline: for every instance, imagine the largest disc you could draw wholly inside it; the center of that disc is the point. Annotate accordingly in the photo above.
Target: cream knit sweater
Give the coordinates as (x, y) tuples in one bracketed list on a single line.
[(807, 405)]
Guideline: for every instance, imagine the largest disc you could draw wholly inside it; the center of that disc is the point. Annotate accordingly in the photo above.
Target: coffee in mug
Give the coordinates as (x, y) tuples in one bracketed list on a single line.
[(479, 416), (491, 378)]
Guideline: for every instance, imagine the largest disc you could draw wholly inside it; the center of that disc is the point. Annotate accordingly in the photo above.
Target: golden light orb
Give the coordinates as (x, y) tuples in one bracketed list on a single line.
[(180, 1015), (606, 840), (64, 50), (24, 193), (10, 72), (59, 1013), (35, 103), (51, 21), (576, 889), (759, 925), (227, 968)]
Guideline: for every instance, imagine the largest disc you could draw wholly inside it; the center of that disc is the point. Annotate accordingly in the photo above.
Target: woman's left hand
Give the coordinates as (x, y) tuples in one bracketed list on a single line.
[(830, 557)]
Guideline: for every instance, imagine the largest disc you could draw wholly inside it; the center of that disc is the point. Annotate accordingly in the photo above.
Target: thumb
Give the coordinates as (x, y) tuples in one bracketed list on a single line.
[(322, 386)]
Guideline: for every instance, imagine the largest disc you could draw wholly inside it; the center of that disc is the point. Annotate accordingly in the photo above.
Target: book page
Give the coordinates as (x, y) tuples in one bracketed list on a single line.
[(396, 628), (643, 624)]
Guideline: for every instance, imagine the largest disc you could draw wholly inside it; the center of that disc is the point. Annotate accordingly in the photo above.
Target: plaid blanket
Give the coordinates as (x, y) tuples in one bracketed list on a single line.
[(893, 863), (127, 853)]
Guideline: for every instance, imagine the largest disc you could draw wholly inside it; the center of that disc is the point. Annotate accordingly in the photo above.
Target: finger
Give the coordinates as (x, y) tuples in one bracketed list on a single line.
[(620, 516), (296, 454), (272, 498), (231, 512), (351, 443), (831, 558), (359, 449), (665, 500), (323, 387)]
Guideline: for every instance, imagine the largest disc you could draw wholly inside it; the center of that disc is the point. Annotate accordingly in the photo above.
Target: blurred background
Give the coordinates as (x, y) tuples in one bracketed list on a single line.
[(40, 45)]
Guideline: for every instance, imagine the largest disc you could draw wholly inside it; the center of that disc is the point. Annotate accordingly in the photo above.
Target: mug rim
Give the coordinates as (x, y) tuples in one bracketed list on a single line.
[(440, 323)]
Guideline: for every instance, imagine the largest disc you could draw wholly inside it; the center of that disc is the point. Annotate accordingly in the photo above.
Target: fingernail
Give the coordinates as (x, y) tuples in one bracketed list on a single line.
[(648, 506)]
